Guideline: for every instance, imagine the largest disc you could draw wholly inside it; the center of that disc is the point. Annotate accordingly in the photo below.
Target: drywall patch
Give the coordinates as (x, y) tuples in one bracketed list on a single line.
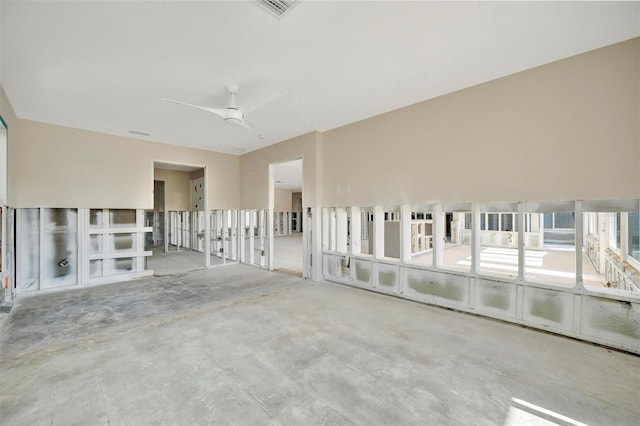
[(330, 266), (425, 285), (496, 300), (363, 272), (387, 278), (613, 320), (548, 307), (495, 297)]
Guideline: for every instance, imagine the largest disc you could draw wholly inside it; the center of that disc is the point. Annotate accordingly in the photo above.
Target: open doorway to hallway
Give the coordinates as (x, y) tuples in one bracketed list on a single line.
[(177, 219), (288, 220)]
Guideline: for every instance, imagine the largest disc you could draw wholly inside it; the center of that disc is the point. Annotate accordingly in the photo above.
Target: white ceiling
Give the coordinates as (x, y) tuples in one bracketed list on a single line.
[(105, 66), (288, 175)]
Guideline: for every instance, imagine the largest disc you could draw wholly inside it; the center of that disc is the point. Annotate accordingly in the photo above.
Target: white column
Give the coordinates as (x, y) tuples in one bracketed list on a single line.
[(234, 235), (325, 230), (83, 246), (438, 235), (356, 231), (475, 238), (522, 252), (270, 239), (603, 237), (341, 229), (378, 232), (405, 233), (579, 243), (241, 236), (253, 218), (316, 233), (332, 229), (624, 236), (207, 238)]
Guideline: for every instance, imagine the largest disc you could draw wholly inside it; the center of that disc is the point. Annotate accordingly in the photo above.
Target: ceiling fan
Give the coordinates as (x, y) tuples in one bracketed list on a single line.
[(233, 114)]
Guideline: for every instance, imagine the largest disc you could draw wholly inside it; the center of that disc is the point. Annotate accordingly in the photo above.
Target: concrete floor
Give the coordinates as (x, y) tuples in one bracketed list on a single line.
[(287, 252), (178, 262), (240, 345)]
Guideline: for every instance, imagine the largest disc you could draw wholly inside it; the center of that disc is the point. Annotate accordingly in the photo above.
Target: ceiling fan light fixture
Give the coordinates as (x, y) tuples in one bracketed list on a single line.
[(233, 121), (234, 116)]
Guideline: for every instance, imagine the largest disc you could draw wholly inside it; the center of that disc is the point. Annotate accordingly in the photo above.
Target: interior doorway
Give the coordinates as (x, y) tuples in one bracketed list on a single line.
[(178, 219), (288, 220)]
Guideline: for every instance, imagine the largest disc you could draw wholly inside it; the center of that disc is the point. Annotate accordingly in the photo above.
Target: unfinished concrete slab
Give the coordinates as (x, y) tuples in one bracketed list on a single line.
[(240, 345), (287, 252)]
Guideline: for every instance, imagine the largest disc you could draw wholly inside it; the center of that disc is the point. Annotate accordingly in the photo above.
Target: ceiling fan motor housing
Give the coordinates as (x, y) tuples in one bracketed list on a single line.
[(234, 116)]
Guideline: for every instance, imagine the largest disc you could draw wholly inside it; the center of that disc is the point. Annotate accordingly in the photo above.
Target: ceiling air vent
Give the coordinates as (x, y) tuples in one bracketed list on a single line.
[(277, 7)]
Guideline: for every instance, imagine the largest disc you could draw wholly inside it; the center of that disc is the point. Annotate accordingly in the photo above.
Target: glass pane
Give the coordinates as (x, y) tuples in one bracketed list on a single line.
[(467, 221), (564, 220), (123, 242), (507, 222), (119, 266), (634, 235), (95, 218), (122, 218), (95, 268), (492, 221), (548, 220), (95, 244), (602, 266)]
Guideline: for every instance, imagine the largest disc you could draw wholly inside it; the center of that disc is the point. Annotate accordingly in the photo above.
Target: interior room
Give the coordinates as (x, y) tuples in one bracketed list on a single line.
[(319, 212)]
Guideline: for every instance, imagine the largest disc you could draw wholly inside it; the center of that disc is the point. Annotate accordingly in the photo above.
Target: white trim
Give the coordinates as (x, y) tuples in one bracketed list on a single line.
[(120, 255), (129, 230)]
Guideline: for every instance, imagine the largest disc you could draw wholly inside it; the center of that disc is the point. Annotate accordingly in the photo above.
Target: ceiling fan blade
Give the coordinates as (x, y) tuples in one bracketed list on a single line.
[(254, 105), (218, 111), (244, 123)]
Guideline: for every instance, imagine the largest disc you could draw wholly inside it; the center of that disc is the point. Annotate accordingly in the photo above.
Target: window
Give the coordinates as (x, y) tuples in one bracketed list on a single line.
[(456, 255), (614, 231), (498, 242), (611, 249), (550, 257), (392, 230), (634, 235), (422, 236), (508, 222), (366, 230)]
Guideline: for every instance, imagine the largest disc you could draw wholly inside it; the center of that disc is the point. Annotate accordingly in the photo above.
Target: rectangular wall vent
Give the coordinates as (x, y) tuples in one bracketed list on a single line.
[(277, 7)]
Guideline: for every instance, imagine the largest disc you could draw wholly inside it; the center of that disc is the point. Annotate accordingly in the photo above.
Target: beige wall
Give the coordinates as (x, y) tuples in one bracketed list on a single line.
[(283, 200), (563, 131), (176, 188), (254, 170), (55, 166), (566, 130), (8, 115)]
